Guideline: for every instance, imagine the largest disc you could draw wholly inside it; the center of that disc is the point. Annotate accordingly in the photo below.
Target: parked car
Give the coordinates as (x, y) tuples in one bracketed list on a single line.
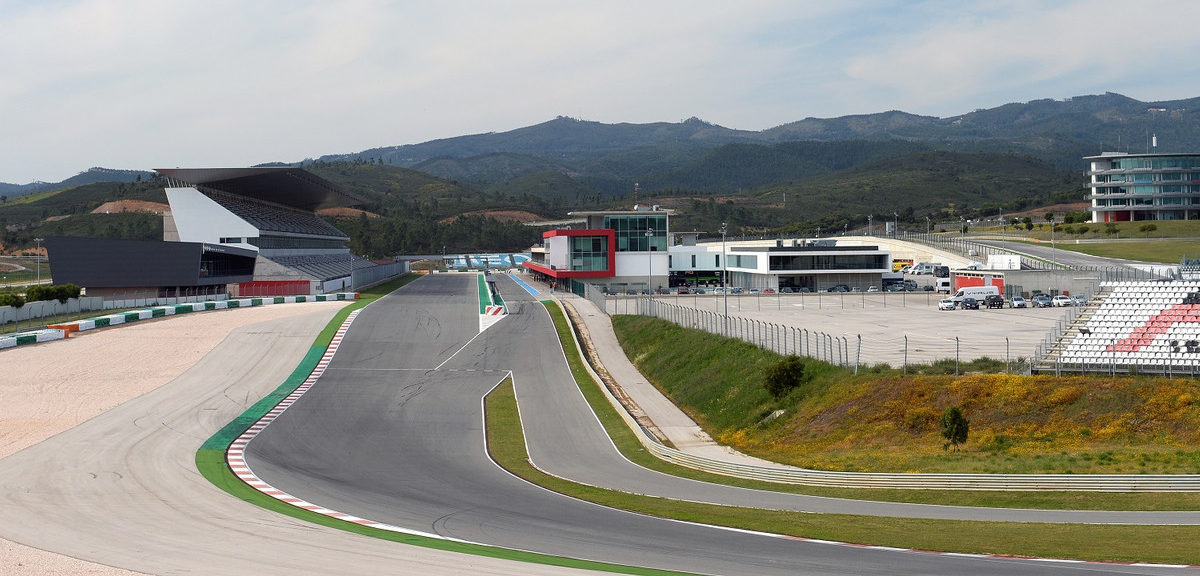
[(894, 288), (803, 290), (839, 288), (718, 290), (947, 304), (768, 291), (1042, 301), (697, 290), (786, 290), (754, 290), (1018, 302), (969, 303), (736, 290), (993, 301), (872, 288), (928, 288), (1080, 300), (682, 290), (1062, 300)]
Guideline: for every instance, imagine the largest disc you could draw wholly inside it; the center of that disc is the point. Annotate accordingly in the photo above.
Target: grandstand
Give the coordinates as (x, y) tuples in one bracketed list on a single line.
[(1149, 327), (271, 212), (1189, 268)]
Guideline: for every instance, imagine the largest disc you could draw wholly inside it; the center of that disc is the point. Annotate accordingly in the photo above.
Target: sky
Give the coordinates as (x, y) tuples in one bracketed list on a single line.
[(144, 84)]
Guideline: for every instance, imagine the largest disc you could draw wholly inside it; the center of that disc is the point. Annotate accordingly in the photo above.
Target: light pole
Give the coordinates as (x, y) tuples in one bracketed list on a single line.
[(895, 225), (928, 226), (650, 262), (724, 280), (38, 254)]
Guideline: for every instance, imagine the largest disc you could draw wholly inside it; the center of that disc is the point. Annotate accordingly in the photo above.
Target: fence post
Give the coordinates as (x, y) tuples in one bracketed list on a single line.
[(956, 356), (858, 354), (905, 354)]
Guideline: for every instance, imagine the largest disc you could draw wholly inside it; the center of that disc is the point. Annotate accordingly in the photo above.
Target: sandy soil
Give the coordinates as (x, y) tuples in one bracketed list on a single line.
[(345, 212), (499, 215), (131, 206), (52, 387)]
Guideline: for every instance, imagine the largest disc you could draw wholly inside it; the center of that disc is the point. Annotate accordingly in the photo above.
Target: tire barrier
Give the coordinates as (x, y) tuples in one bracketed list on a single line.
[(64, 330), (31, 337)]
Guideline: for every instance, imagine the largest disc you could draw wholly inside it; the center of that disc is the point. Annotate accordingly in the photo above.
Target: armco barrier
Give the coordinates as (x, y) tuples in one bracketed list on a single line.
[(910, 481), (60, 331)]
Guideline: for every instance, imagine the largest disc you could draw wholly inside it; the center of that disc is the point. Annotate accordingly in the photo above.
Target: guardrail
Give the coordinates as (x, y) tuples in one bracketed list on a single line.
[(904, 481)]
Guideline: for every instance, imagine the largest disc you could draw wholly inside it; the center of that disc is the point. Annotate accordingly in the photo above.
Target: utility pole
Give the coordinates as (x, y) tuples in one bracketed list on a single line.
[(724, 279), (39, 260)]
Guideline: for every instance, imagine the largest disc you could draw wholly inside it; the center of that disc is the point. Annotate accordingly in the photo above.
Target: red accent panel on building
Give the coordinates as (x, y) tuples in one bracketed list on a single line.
[(274, 288), (969, 279), (611, 235)]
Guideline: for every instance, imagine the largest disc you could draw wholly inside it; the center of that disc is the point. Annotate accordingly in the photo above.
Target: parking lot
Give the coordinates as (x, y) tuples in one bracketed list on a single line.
[(894, 327)]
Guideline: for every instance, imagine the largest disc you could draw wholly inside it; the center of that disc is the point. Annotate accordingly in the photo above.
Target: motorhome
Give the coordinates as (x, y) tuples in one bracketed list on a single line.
[(924, 268)]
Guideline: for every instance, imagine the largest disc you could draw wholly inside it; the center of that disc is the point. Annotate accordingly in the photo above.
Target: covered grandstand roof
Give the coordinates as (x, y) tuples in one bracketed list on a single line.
[(287, 186)]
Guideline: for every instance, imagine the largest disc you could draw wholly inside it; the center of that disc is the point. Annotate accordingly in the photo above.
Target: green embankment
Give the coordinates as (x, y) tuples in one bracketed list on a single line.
[(888, 421)]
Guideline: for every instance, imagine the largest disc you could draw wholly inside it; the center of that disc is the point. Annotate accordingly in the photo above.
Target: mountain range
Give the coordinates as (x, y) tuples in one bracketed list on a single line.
[(829, 173)]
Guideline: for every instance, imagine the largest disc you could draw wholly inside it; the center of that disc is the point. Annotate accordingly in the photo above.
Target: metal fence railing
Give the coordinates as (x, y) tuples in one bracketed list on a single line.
[(850, 350)]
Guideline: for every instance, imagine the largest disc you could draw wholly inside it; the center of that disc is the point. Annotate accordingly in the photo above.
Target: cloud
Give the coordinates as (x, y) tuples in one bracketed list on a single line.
[(144, 84)]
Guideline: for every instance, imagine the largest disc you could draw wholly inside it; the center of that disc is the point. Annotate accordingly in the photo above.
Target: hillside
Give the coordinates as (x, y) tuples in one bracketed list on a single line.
[(882, 420), (826, 174)]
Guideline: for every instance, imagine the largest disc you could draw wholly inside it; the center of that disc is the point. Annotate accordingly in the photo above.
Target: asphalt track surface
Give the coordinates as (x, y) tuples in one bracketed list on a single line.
[(122, 488), (393, 432)]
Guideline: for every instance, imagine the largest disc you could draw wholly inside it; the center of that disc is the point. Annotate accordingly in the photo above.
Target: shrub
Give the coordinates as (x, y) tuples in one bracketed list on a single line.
[(1148, 227), (784, 376), (1082, 230), (62, 293), (955, 427), (10, 299)]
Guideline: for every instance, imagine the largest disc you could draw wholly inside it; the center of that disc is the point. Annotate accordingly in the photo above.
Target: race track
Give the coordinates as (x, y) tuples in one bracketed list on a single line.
[(396, 436)]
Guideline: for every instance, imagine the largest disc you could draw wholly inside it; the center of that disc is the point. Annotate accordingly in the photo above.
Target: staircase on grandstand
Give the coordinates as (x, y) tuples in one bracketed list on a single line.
[(1132, 327)]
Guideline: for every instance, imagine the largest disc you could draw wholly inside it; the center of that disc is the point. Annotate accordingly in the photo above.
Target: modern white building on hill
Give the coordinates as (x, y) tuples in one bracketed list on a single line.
[(1131, 187)]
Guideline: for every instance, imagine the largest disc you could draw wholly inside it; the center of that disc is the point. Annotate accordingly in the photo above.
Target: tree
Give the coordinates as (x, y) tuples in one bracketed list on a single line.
[(955, 427), (784, 376)]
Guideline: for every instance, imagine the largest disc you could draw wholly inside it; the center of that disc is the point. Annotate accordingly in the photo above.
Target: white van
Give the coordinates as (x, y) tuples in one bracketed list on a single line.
[(976, 292)]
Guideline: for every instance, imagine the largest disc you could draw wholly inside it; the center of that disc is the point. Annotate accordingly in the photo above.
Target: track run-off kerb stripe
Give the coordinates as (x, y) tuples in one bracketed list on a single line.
[(485, 295), (226, 473)]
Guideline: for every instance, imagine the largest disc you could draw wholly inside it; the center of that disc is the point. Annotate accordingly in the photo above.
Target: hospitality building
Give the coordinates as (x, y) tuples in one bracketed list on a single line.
[(1132, 187), (634, 252)]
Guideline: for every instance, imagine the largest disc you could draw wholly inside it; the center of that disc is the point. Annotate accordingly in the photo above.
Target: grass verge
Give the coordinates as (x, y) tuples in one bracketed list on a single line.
[(210, 460), (751, 360), (1157, 544)]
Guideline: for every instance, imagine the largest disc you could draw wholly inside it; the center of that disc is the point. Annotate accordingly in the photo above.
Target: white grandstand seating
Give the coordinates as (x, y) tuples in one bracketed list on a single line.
[(273, 218), (323, 266), (1151, 325)]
